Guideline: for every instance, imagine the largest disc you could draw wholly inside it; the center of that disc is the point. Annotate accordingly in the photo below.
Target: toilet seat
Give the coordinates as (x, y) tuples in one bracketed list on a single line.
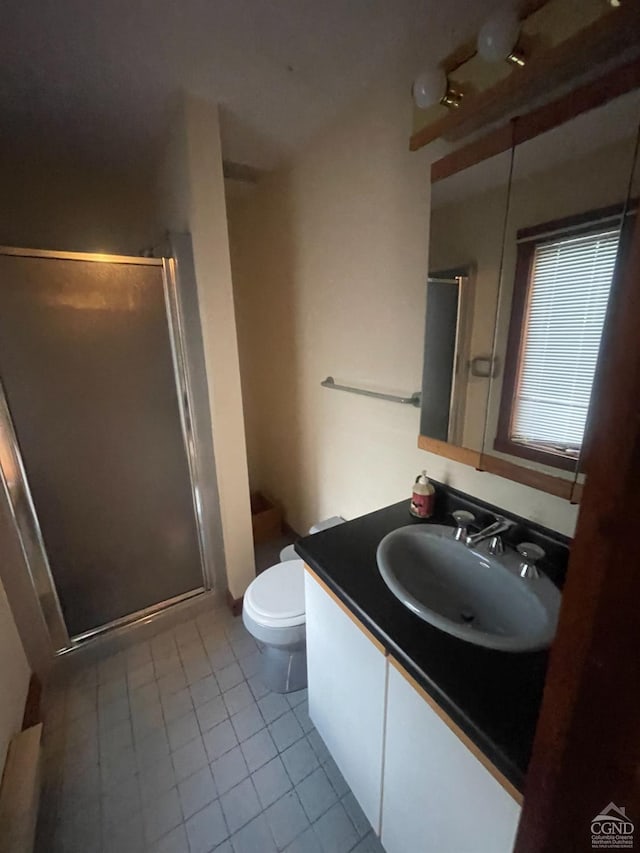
[(275, 599)]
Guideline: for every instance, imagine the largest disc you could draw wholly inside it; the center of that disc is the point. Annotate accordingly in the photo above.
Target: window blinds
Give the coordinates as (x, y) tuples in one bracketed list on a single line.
[(568, 293)]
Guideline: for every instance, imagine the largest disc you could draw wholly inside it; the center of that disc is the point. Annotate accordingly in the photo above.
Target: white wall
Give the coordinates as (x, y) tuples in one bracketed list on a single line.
[(192, 194), (329, 263), (14, 678)]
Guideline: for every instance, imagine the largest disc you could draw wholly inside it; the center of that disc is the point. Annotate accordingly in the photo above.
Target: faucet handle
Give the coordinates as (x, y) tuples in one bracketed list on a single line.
[(531, 554), (462, 519)]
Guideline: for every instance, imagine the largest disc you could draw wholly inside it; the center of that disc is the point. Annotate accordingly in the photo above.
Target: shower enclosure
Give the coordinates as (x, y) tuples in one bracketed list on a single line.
[(97, 452)]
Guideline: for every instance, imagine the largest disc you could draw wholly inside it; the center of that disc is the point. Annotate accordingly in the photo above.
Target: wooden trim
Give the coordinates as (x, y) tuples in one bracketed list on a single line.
[(587, 97), (586, 750), (557, 486), (20, 791), (502, 780), (32, 715), (450, 451), (597, 43), (468, 50), (576, 493), (376, 642), (234, 604)]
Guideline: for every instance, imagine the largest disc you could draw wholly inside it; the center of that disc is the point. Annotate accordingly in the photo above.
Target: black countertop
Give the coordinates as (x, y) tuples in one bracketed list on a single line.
[(493, 696)]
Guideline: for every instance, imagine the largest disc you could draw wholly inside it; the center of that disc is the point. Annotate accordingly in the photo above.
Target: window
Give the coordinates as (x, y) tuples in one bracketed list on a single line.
[(564, 273)]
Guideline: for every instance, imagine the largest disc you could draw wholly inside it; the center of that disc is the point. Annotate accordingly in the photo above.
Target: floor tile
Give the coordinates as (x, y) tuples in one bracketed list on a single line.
[(206, 828), (183, 730), (221, 657), (229, 770), (308, 842), (294, 699), (272, 706), (161, 815), (157, 779), (237, 698), (247, 722), (189, 759), (144, 696), (151, 749), (113, 713), (211, 713), (115, 738), (118, 766), (318, 746), (124, 837), (287, 819), (335, 830), (229, 676), (336, 778), (220, 739), (240, 805), (112, 690), (285, 731), (316, 794), (174, 842), (258, 749), (204, 690), (186, 633), (142, 675), (176, 705), (257, 687), (196, 670), (271, 782), (358, 817), (255, 837), (196, 792), (250, 664), (172, 683), (369, 844), (120, 803), (302, 716), (299, 760)]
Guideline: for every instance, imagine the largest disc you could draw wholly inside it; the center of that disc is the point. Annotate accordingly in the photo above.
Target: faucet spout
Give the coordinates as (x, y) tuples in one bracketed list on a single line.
[(500, 525)]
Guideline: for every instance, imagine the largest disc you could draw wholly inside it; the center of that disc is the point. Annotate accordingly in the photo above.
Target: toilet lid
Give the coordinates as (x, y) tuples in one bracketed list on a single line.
[(278, 593)]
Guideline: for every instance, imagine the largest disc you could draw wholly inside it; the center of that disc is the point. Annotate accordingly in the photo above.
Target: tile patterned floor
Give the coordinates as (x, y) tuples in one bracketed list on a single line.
[(175, 746)]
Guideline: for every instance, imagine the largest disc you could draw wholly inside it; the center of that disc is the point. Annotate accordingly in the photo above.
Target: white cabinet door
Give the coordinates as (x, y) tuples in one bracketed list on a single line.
[(347, 673), (437, 796)]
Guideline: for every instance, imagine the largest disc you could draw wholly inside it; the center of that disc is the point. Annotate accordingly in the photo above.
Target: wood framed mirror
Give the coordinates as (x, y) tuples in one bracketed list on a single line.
[(527, 242)]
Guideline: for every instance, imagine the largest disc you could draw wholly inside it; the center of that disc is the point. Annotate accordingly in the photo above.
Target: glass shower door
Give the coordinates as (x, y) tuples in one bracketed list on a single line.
[(87, 366)]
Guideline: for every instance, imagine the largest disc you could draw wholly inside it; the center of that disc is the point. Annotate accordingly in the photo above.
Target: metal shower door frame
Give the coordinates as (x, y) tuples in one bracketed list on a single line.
[(18, 494)]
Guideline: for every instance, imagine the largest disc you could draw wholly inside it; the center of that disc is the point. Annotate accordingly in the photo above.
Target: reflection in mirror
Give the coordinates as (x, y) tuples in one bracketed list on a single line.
[(468, 212), (567, 204)]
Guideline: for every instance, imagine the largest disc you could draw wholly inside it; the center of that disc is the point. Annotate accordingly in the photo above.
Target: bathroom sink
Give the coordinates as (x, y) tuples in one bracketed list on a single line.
[(467, 593)]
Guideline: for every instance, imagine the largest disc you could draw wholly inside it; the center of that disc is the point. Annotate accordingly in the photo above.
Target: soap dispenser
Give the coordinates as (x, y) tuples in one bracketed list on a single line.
[(423, 497)]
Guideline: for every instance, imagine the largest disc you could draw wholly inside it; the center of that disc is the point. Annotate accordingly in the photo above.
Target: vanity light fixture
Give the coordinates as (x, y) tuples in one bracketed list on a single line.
[(432, 87), (498, 37)]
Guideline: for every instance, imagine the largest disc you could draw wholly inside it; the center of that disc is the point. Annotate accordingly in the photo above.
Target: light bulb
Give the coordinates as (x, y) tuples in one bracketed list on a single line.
[(499, 34), (432, 87), (429, 87)]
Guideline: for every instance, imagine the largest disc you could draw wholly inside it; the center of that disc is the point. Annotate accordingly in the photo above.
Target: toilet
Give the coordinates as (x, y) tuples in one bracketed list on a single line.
[(273, 613)]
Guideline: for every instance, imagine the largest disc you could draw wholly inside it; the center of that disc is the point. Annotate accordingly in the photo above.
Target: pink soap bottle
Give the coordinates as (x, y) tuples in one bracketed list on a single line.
[(423, 497)]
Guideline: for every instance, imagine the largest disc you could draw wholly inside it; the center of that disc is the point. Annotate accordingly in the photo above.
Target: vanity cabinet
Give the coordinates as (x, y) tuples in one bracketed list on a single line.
[(437, 795), (423, 785), (347, 674)]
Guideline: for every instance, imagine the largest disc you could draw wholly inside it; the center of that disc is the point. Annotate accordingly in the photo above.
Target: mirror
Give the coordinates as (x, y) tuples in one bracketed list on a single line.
[(568, 201), (468, 212), (525, 249)]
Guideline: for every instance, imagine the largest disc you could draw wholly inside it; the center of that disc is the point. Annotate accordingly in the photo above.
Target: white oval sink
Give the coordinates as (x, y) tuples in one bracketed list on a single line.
[(465, 592)]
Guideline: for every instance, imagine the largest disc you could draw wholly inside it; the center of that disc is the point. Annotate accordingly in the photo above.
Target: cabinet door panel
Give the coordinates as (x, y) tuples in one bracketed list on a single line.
[(436, 794), (347, 675)]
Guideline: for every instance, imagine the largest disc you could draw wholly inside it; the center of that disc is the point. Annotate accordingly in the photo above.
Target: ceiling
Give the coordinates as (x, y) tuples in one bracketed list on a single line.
[(97, 78)]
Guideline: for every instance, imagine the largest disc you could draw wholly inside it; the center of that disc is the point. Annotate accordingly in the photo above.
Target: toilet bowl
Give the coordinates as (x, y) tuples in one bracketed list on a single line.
[(273, 613)]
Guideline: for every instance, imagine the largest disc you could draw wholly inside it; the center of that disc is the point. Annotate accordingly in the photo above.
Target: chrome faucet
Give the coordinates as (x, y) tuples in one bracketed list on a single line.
[(492, 532)]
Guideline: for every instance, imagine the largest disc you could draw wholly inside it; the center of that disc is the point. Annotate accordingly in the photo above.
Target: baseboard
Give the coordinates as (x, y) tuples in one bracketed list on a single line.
[(234, 604)]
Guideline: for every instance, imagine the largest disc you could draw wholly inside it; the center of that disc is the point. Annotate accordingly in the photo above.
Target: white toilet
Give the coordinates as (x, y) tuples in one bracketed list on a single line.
[(273, 613)]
